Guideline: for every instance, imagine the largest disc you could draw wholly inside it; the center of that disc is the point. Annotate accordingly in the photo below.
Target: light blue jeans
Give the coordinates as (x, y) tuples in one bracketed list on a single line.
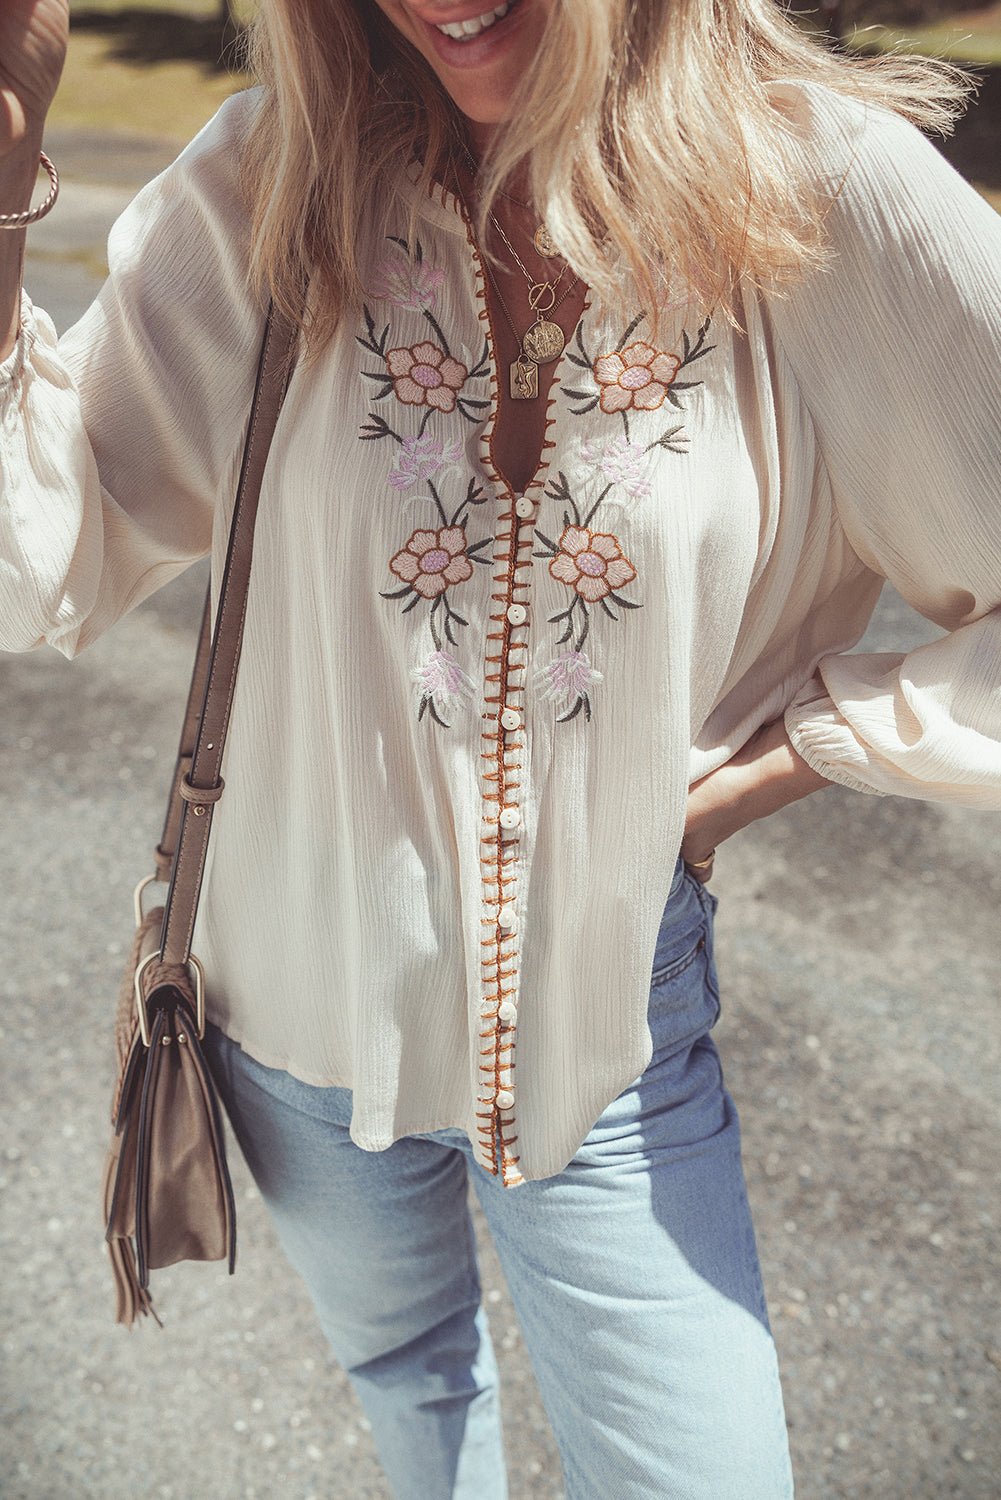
[(633, 1272)]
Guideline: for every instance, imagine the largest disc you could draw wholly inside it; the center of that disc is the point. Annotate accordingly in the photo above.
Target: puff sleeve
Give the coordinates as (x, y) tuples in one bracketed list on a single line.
[(115, 441), (896, 349)]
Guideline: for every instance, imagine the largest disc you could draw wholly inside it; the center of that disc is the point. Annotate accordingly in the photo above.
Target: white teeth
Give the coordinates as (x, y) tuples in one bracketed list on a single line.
[(462, 31)]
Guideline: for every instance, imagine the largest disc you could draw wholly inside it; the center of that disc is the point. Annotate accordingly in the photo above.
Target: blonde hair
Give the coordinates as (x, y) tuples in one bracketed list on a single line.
[(650, 125)]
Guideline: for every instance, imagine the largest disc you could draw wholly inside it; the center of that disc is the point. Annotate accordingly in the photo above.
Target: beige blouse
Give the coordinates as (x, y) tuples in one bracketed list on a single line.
[(466, 720)]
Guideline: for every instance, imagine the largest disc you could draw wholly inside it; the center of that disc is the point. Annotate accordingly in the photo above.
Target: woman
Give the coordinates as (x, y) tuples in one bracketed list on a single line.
[(613, 417)]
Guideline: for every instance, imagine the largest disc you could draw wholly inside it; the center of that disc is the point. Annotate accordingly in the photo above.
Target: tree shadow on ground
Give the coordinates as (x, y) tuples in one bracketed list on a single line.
[(143, 37)]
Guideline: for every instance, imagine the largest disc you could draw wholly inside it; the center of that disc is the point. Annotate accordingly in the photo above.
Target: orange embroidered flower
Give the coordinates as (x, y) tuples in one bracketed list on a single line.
[(591, 563), (432, 560), (426, 376), (638, 377)]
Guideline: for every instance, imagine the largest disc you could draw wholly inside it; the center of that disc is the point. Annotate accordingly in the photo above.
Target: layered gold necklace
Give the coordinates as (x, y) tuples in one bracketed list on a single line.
[(544, 340)]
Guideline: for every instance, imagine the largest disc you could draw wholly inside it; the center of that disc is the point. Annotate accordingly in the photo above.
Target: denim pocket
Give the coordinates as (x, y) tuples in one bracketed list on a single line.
[(684, 993), (666, 972)]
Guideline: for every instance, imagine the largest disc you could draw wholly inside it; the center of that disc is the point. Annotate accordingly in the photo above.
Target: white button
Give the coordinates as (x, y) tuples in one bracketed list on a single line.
[(517, 614), (505, 1098), (506, 916), (524, 508), (510, 818), (508, 1012), (510, 719)]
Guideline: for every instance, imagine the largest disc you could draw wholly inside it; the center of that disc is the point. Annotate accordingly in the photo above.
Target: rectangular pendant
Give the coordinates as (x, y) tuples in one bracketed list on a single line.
[(524, 380)]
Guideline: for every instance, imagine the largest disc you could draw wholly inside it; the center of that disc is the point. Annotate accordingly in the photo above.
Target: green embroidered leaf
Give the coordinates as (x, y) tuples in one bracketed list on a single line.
[(623, 341), (376, 344), (565, 718), (438, 329), (483, 368), (384, 381), (377, 427)]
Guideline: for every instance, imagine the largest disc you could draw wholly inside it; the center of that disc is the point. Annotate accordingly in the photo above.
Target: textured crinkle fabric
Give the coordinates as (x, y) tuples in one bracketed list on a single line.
[(466, 720)]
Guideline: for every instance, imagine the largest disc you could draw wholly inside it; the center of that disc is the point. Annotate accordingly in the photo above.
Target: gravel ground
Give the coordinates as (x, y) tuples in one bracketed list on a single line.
[(859, 958)]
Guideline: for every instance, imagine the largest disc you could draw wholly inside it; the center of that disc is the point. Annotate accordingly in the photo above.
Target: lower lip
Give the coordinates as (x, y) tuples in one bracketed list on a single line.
[(484, 48)]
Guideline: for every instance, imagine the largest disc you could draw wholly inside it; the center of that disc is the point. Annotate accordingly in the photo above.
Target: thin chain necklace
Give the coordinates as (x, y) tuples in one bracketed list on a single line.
[(541, 239), (537, 289), (544, 340)]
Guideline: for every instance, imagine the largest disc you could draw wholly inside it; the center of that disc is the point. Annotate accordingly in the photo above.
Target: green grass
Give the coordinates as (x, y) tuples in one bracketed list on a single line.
[(166, 100), (960, 45), (971, 39)]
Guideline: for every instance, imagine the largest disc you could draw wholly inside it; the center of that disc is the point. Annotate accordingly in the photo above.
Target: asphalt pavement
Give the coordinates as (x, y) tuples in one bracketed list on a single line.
[(858, 948)]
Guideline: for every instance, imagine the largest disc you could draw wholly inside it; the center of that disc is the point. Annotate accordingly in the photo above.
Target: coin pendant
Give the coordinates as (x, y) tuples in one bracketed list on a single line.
[(524, 380), (544, 342), (544, 242)]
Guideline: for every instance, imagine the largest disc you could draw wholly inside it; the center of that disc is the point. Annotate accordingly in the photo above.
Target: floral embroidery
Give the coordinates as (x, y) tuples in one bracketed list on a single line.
[(406, 282), (441, 680), (639, 376), (425, 375), (636, 377), (591, 563), (621, 463), (421, 458), (568, 680), (432, 560), (593, 566)]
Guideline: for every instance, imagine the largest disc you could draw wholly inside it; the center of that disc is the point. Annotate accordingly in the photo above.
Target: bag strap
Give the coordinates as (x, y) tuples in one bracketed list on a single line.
[(197, 785), (167, 847)]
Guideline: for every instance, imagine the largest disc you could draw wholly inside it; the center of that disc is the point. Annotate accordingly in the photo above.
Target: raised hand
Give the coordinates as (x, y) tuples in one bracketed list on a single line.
[(33, 36)]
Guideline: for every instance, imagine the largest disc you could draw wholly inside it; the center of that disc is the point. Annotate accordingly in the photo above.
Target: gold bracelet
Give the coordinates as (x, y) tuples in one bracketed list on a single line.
[(32, 215), (701, 864)]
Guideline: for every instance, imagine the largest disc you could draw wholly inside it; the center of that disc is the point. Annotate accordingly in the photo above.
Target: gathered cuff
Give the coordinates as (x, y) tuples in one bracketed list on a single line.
[(825, 741), (821, 734), (13, 367)]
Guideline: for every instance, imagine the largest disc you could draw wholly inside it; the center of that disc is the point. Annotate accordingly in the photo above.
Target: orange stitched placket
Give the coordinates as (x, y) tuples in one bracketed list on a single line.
[(503, 750)]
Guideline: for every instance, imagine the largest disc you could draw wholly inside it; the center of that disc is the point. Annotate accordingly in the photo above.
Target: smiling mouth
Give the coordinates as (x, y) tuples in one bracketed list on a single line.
[(466, 31)]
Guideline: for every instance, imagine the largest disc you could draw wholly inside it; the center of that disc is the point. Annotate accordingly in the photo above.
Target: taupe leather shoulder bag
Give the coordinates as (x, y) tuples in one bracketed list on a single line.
[(167, 1190)]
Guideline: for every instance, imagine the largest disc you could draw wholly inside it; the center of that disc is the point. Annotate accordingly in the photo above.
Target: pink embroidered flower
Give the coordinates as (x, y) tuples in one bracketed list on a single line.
[(432, 560), (591, 563), (422, 458), (426, 376), (405, 283), (638, 377), (442, 679), (568, 677), (620, 462)]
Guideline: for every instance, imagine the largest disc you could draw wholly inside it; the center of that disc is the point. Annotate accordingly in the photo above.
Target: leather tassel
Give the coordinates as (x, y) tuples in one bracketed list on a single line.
[(132, 1299)]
